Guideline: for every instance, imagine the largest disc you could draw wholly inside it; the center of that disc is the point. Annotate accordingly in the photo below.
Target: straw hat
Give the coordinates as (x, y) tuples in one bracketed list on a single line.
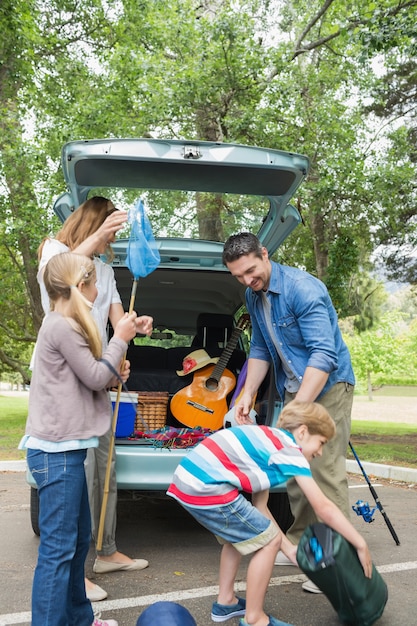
[(195, 361)]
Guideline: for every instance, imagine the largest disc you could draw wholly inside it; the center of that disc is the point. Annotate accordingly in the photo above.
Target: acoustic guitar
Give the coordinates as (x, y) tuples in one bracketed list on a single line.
[(204, 402)]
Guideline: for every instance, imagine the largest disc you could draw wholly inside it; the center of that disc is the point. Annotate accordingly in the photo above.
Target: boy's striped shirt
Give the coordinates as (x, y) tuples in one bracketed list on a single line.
[(243, 458)]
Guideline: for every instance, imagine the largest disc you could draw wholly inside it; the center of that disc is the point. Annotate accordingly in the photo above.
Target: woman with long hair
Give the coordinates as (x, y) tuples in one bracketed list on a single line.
[(90, 230)]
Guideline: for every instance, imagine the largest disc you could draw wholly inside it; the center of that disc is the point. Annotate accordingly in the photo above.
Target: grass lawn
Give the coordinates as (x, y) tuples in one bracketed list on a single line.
[(384, 442), (377, 442), (13, 413)]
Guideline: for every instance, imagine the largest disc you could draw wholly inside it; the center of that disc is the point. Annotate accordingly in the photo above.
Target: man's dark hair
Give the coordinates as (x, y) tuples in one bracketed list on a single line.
[(240, 245)]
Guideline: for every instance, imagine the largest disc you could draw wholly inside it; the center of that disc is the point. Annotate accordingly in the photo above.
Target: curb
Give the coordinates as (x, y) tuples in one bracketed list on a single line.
[(389, 472), (13, 466)]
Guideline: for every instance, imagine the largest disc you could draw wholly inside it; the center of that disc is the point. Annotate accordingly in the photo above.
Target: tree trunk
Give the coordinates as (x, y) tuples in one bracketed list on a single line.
[(23, 208), (209, 207), (321, 251)]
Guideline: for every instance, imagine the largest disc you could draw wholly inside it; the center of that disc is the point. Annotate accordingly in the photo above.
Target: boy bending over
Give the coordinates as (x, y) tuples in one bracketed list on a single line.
[(208, 484)]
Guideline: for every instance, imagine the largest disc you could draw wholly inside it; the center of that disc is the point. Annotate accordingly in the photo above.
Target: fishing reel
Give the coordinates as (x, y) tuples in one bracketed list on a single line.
[(363, 508)]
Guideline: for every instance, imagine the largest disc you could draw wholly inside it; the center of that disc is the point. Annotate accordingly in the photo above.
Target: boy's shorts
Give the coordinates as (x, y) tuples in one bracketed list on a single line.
[(238, 523)]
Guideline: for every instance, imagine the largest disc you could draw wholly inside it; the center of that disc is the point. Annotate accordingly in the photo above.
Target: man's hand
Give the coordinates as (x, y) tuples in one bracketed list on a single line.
[(243, 408)]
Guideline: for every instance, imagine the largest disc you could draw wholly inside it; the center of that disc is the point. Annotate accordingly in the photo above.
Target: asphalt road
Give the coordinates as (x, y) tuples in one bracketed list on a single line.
[(184, 560)]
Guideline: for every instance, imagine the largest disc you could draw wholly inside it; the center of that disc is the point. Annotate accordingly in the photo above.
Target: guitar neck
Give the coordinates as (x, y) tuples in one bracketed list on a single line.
[(226, 354)]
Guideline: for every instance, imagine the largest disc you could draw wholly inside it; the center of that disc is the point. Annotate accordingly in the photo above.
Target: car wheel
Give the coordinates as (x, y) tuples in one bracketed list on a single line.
[(279, 505), (34, 510)]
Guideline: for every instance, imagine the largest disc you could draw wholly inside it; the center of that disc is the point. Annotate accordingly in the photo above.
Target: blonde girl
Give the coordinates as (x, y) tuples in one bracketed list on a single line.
[(69, 409)]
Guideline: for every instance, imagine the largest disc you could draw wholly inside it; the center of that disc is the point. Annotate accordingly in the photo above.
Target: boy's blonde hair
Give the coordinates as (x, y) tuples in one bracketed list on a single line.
[(310, 414), (63, 273)]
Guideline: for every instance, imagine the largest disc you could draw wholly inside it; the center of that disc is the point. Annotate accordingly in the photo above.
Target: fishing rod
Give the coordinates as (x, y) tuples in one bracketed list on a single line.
[(377, 501)]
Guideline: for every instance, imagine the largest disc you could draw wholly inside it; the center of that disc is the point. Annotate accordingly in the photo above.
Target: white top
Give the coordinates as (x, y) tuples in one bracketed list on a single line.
[(106, 285)]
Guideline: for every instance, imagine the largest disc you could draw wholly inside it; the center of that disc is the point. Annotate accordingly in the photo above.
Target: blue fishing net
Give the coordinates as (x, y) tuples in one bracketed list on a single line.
[(142, 253)]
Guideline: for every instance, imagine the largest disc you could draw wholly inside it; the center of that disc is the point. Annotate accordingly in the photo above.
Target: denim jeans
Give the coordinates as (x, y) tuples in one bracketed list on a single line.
[(58, 593), (238, 523)]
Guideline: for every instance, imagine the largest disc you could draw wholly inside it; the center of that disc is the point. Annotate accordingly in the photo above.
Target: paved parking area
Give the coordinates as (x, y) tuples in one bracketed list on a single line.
[(184, 560)]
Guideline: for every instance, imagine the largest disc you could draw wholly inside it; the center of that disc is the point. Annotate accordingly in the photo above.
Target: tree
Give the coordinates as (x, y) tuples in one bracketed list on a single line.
[(291, 75), (374, 351), (32, 43), (394, 105)]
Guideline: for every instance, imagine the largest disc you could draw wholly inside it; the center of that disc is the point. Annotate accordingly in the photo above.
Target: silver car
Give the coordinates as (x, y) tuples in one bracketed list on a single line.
[(195, 303)]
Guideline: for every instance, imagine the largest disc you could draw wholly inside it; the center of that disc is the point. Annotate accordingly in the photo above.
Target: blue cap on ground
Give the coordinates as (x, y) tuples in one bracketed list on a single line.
[(166, 614)]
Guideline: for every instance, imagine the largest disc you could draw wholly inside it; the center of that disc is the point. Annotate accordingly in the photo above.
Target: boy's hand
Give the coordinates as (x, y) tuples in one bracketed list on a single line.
[(366, 561)]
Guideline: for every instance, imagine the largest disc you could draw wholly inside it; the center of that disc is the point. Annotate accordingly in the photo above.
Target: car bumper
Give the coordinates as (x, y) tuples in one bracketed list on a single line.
[(142, 468), (145, 468)]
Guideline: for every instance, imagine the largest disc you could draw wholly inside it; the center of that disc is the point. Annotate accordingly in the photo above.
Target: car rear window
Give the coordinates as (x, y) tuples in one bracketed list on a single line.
[(178, 213)]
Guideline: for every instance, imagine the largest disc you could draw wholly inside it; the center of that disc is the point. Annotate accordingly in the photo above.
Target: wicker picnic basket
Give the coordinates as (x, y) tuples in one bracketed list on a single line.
[(152, 408)]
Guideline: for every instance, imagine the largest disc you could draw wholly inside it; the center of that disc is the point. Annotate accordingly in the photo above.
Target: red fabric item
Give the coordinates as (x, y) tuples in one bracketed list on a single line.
[(170, 437)]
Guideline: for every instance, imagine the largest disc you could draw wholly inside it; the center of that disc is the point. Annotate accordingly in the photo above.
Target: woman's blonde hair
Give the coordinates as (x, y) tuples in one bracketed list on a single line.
[(311, 414), (85, 221), (63, 273)]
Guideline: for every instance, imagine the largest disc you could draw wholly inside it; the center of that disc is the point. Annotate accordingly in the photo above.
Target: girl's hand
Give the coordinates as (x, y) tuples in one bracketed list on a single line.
[(144, 325), (126, 327), (124, 370)]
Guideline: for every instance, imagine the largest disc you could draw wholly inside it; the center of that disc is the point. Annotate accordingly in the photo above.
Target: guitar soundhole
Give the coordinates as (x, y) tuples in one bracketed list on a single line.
[(212, 384)]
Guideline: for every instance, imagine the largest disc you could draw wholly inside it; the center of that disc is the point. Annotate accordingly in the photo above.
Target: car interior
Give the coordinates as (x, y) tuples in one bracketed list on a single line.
[(154, 368)]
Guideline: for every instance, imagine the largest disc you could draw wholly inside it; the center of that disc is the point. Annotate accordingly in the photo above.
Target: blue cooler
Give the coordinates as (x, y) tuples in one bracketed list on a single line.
[(127, 412)]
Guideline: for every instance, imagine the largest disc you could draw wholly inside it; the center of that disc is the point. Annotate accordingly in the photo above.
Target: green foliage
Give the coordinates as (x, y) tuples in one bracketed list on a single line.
[(388, 378), (13, 413), (366, 298), (293, 75), (396, 230), (342, 253), (380, 353), (388, 28)]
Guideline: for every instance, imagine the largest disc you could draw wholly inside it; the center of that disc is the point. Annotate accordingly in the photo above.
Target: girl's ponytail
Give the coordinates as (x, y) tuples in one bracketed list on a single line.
[(63, 274)]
